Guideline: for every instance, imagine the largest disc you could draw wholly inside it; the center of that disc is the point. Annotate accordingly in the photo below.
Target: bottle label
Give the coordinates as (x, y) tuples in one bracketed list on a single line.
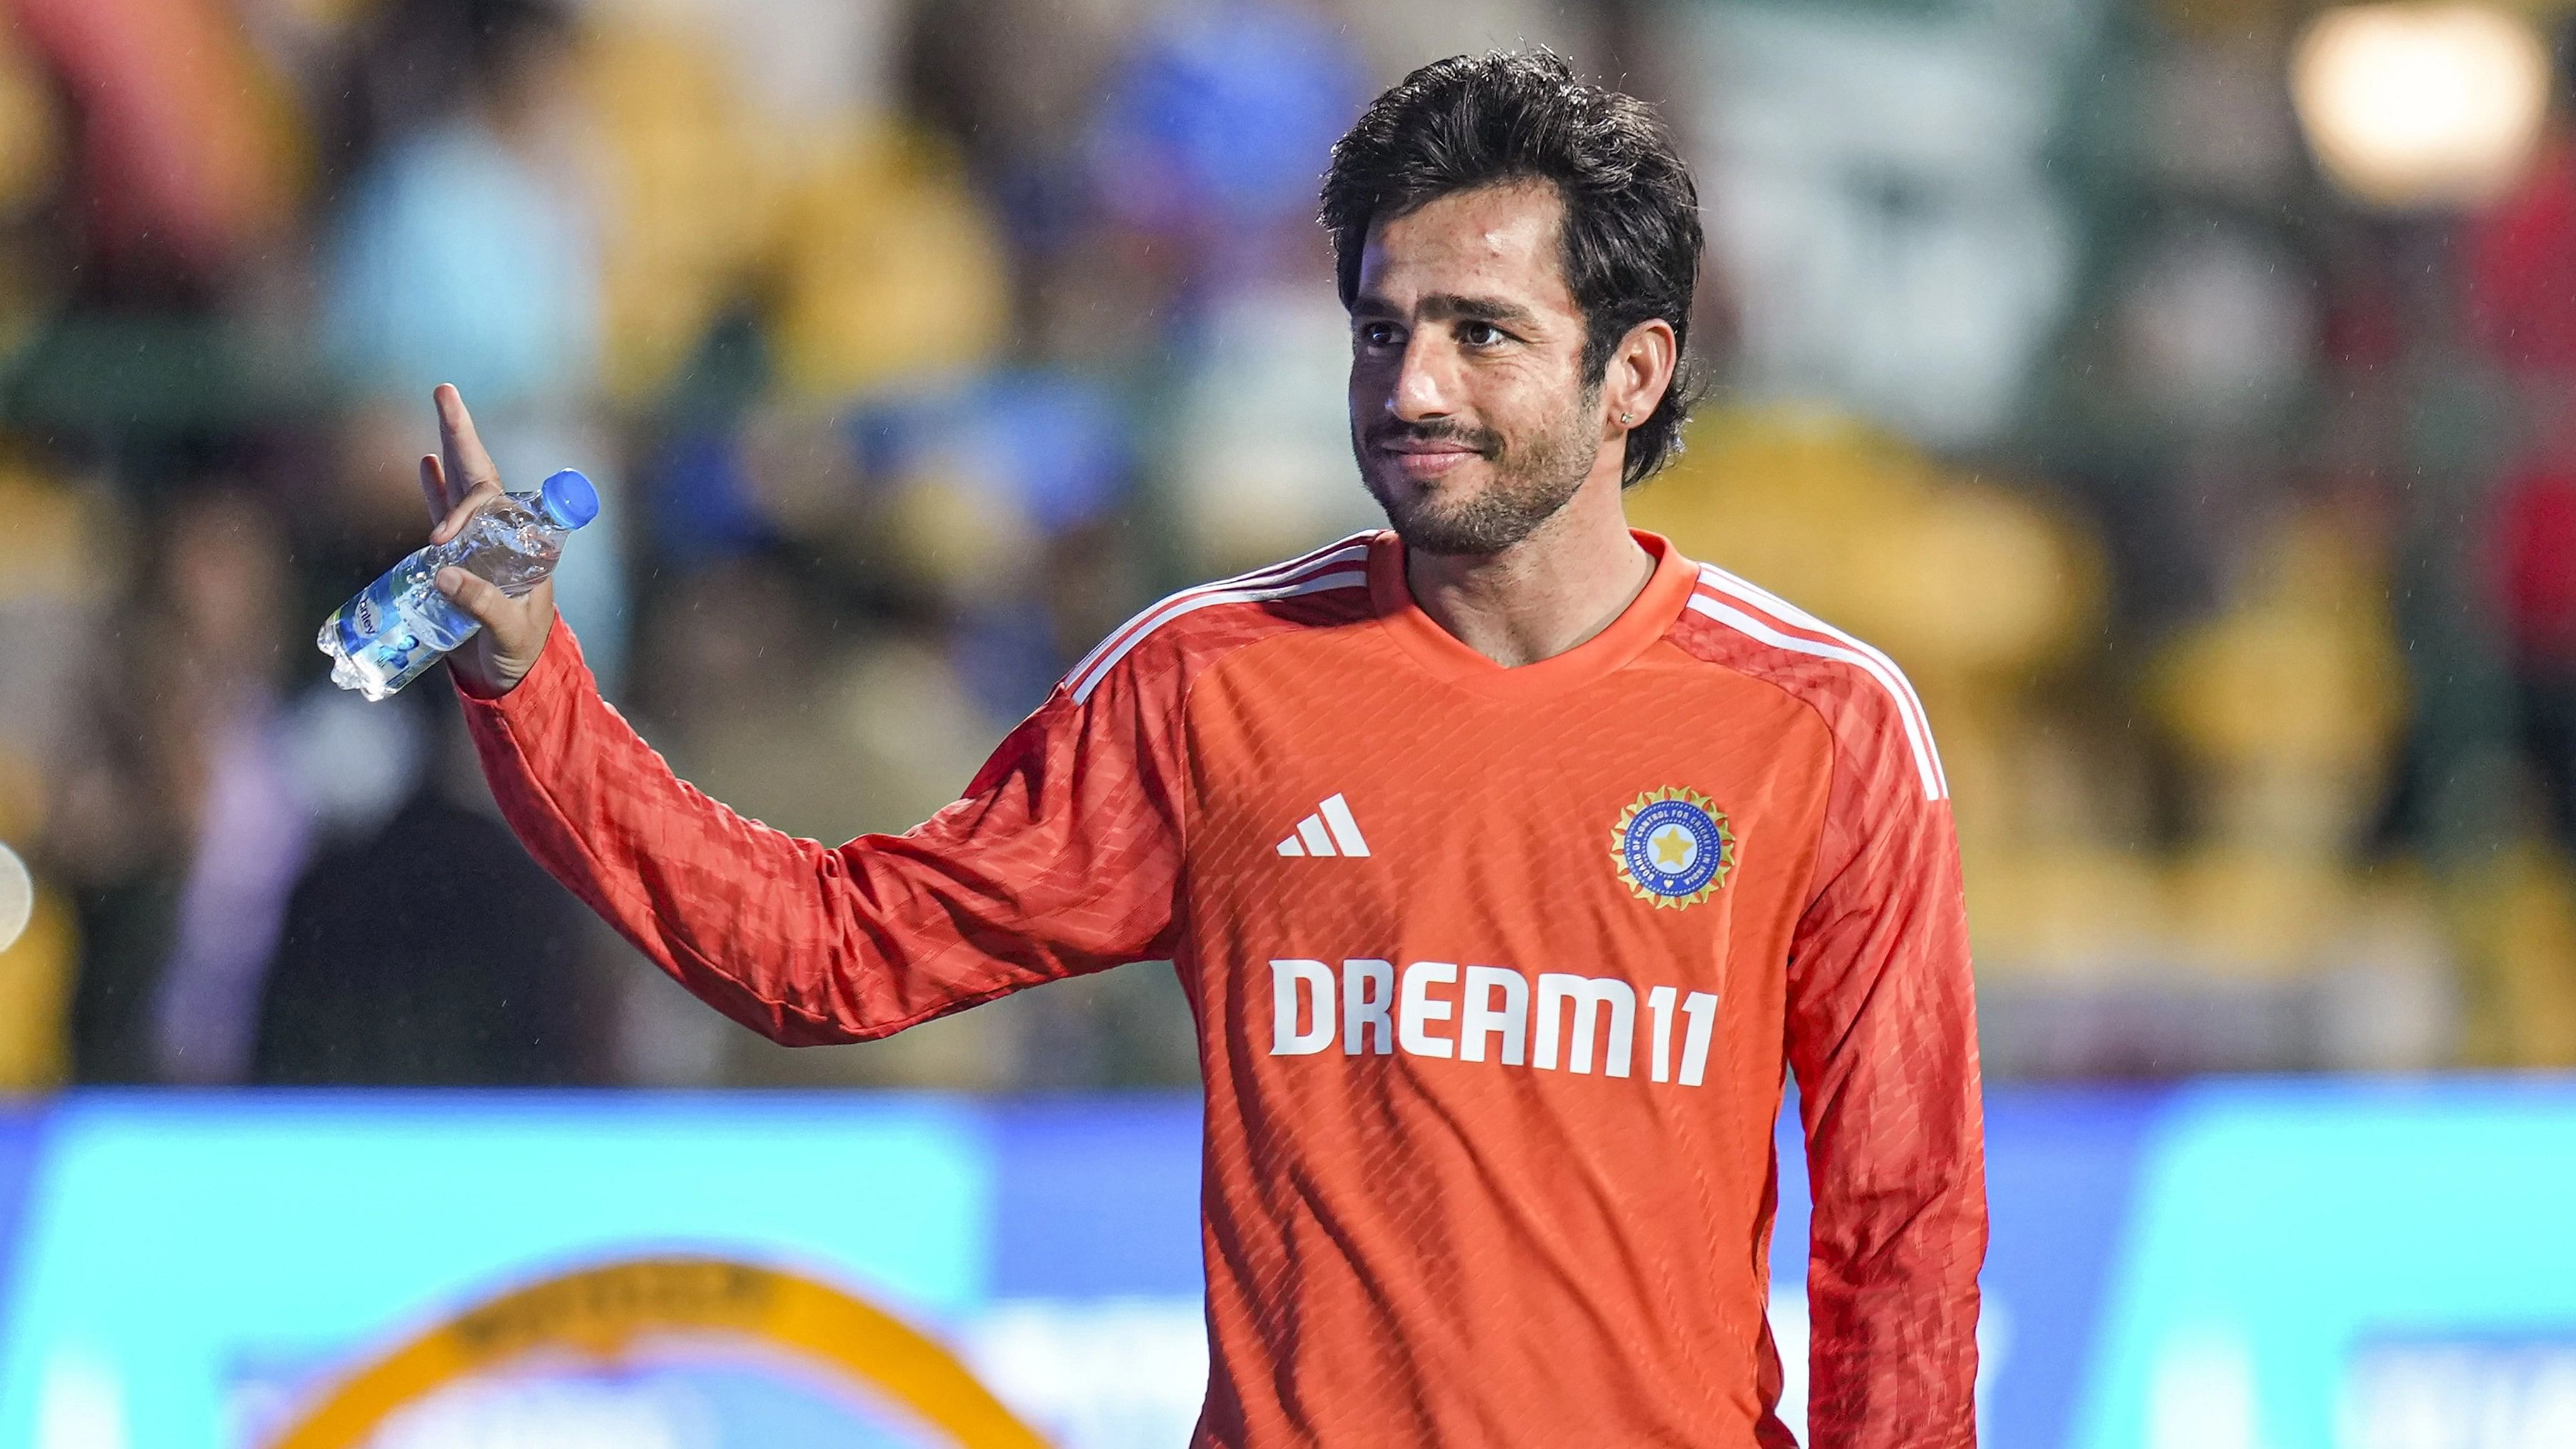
[(363, 617)]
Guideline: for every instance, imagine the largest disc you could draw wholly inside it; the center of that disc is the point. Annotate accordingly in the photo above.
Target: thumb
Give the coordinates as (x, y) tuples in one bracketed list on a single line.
[(479, 597)]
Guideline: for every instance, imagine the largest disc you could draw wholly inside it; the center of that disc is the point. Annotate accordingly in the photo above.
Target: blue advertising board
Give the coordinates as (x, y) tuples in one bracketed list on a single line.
[(2284, 1265)]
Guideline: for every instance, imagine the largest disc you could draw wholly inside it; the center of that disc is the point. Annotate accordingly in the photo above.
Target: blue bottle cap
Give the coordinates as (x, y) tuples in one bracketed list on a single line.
[(569, 499)]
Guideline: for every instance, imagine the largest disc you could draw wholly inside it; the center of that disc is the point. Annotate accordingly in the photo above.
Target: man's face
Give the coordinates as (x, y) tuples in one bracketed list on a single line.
[(1469, 413)]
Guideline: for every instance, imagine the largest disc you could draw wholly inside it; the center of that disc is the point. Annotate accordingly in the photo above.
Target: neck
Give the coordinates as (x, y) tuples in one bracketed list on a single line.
[(1563, 584)]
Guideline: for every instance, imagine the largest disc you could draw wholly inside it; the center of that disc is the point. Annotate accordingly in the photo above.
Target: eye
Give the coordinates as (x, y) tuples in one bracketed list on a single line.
[(1380, 335), (1476, 333)]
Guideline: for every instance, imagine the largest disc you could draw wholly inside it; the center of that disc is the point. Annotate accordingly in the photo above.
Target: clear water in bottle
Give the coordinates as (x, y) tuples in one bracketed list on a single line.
[(398, 626)]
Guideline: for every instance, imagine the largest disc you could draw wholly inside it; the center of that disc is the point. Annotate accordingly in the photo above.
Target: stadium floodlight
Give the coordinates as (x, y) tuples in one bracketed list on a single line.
[(2420, 106)]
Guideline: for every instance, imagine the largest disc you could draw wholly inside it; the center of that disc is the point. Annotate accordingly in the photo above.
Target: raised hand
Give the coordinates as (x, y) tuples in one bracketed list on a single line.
[(456, 481)]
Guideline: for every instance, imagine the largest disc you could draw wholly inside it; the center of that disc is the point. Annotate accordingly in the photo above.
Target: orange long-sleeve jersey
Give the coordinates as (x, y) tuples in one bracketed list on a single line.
[(1497, 975)]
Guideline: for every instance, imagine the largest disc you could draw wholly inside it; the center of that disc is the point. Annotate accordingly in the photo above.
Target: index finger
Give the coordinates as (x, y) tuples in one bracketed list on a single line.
[(468, 466), (433, 488)]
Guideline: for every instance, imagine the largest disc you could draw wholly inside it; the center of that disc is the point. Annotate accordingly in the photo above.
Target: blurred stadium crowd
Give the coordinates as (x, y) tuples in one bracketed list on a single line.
[(2217, 490)]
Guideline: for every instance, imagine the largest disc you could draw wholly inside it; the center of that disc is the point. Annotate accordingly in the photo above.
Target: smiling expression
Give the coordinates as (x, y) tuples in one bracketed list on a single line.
[(1470, 415)]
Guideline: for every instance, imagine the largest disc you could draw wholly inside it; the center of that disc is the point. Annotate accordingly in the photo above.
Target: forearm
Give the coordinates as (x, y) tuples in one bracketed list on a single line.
[(802, 942), (1883, 1032), (1892, 1305)]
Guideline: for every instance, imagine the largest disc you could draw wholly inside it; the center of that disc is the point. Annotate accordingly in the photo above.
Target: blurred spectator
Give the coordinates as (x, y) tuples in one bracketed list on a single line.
[(2532, 556), (189, 149), (228, 571), (459, 255), (889, 273), (181, 821), (1205, 154), (1212, 134), (2522, 311), (377, 981), (2521, 276)]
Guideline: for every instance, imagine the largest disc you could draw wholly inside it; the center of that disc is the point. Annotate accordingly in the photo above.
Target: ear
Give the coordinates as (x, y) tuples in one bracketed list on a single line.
[(1638, 375)]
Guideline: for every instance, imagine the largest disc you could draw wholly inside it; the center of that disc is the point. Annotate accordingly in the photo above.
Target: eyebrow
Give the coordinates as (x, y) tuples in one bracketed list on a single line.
[(1441, 305)]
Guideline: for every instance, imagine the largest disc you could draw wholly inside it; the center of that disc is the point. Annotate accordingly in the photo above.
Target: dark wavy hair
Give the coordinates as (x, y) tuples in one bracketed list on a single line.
[(1631, 232)]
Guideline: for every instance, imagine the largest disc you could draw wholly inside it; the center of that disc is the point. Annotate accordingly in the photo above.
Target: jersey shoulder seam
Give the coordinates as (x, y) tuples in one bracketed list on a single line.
[(1772, 623), (1338, 566)]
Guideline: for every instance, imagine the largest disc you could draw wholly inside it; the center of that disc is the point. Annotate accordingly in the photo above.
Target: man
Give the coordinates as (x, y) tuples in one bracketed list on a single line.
[(1507, 859)]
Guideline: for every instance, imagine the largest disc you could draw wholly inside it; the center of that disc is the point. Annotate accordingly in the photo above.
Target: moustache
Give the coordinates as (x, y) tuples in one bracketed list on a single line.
[(1483, 440)]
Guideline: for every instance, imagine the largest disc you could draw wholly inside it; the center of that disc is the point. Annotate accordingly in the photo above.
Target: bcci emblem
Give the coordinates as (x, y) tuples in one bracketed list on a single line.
[(1672, 847)]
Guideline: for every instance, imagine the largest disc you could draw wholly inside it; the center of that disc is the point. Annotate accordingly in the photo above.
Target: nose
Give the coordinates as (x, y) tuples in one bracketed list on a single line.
[(1425, 380)]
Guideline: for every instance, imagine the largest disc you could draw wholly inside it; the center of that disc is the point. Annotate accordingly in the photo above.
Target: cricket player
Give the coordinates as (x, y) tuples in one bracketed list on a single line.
[(1509, 859)]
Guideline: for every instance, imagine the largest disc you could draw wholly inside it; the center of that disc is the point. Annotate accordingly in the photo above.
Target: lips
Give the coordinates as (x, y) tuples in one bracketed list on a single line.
[(1422, 461), (1423, 458)]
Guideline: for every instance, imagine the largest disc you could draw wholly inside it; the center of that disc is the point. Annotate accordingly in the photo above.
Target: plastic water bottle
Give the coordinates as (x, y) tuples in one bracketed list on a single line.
[(401, 624)]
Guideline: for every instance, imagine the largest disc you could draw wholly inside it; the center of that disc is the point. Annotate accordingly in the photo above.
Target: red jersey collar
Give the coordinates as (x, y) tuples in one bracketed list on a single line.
[(1647, 618)]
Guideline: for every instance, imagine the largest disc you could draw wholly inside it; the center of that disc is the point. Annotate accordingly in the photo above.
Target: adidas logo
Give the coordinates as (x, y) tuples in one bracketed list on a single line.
[(1329, 831)]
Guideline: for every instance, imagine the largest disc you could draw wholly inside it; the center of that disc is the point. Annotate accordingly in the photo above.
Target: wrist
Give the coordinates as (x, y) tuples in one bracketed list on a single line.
[(488, 672), (476, 683)]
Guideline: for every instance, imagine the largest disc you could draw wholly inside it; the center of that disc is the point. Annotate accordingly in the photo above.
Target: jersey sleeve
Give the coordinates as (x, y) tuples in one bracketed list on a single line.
[(1882, 1036), (1060, 859)]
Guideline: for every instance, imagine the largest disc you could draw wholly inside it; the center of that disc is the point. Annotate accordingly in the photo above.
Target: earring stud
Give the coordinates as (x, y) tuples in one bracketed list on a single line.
[(1627, 417)]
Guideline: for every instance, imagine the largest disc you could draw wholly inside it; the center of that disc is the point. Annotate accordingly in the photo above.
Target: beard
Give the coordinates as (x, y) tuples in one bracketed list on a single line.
[(1531, 480)]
